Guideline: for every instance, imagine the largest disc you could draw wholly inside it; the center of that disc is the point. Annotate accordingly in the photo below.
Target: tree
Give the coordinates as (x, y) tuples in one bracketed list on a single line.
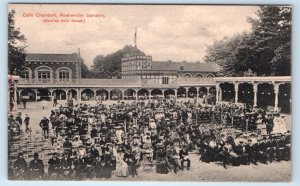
[(16, 47), (272, 34), (224, 53), (85, 72), (265, 50)]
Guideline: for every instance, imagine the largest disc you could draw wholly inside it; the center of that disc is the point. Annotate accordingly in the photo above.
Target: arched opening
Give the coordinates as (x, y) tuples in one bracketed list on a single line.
[(129, 94), (202, 91), (143, 94), (157, 93), (115, 94), (199, 76), (43, 74), (187, 75), (59, 94), (181, 92), (284, 97), (265, 95), (43, 94), (245, 93), (87, 95), (101, 94), (210, 75), (211, 96), (169, 93), (228, 93), (192, 92), (72, 94), (28, 94)]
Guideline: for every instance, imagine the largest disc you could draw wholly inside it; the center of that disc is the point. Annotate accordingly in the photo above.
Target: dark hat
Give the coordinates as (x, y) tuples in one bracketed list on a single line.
[(36, 155)]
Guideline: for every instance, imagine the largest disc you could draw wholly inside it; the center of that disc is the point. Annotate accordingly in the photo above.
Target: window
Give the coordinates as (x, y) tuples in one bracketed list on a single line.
[(64, 76), (26, 74), (44, 76), (165, 80), (181, 67)]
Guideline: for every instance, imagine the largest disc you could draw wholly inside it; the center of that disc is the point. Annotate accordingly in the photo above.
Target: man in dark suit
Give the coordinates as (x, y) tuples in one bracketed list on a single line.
[(36, 167), (66, 165), (44, 124), (184, 157), (54, 165), (20, 167)]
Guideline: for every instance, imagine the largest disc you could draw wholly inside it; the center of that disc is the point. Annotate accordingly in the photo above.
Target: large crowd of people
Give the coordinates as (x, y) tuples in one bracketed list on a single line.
[(96, 141)]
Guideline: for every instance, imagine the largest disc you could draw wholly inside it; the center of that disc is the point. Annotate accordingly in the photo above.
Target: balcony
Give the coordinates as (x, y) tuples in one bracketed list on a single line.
[(154, 83), (181, 81), (84, 82), (109, 82), (113, 83)]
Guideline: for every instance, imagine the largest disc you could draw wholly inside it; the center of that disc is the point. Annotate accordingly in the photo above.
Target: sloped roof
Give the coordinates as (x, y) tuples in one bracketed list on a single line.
[(52, 57), (187, 66)]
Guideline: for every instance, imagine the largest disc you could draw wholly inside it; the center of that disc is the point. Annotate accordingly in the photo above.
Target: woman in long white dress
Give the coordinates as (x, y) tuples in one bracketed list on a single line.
[(282, 125), (121, 167), (279, 124)]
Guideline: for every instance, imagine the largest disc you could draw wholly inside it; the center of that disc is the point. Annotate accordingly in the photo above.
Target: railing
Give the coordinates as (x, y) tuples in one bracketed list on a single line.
[(148, 83), (137, 82), (110, 81), (25, 81), (255, 79), (182, 81)]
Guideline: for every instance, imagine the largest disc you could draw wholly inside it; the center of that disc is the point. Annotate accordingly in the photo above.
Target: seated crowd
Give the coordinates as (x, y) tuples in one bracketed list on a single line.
[(101, 141)]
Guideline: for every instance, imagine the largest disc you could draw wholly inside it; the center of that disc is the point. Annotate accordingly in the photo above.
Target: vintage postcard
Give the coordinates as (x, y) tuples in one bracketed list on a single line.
[(136, 92)]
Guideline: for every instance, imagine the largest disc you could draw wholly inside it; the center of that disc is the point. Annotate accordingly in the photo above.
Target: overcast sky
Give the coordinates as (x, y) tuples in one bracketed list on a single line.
[(166, 32)]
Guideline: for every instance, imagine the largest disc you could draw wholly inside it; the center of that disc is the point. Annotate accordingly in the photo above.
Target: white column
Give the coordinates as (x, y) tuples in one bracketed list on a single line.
[(175, 91), (136, 94), (186, 92), (207, 90), (123, 93), (221, 95), (255, 85), (217, 92), (236, 90), (36, 92), (163, 92), (78, 95), (197, 89), (149, 93), (108, 90), (15, 96), (276, 91), (94, 94)]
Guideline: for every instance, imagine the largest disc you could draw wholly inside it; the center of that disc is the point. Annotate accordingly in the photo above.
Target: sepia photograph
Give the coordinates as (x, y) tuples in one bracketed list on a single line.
[(149, 92)]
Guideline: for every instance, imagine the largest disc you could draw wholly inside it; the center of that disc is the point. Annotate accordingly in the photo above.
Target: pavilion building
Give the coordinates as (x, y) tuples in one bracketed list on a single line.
[(58, 75)]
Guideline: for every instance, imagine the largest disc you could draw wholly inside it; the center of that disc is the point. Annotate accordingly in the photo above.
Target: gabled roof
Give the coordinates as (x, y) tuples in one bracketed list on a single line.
[(187, 66), (52, 57)]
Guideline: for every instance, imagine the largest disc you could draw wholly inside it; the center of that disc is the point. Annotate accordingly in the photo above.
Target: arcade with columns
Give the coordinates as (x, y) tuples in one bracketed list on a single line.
[(258, 91)]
